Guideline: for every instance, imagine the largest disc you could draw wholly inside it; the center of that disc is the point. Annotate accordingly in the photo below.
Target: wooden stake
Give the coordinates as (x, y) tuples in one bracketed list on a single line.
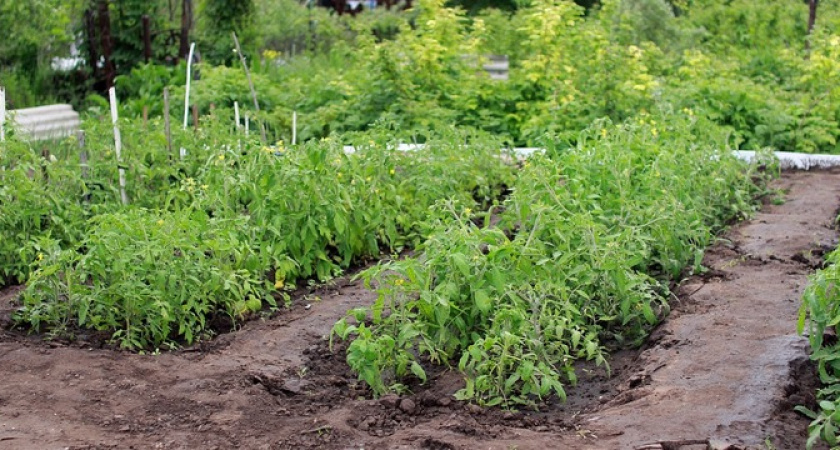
[(189, 81), (83, 160), (250, 84), (145, 117), (237, 127), (247, 125), (195, 116), (2, 115), (166, 124), (187, 96), (118, 143), (236, 115), (294, 127), (45, 153)]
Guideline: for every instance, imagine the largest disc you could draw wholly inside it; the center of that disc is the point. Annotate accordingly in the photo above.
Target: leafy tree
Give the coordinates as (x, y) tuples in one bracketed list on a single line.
[(33, 31), (218, 19)]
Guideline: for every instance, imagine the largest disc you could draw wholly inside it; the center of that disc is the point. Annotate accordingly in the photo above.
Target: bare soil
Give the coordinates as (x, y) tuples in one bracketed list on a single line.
[(723, 371)]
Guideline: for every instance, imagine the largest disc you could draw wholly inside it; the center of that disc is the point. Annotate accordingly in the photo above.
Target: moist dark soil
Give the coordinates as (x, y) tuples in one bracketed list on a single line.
[(724, 370)]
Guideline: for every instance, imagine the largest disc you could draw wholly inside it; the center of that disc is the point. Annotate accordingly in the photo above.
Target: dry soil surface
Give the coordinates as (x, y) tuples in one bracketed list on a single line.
[(723, 371)]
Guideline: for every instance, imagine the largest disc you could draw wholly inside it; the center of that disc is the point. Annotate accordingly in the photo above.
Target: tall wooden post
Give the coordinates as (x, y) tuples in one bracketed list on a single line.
[(166, 121), (83, 162), (118, 143)]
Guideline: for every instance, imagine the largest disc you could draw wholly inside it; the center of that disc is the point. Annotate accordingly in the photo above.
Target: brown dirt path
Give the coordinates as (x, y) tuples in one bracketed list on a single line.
[(726, 365), (719, 366)]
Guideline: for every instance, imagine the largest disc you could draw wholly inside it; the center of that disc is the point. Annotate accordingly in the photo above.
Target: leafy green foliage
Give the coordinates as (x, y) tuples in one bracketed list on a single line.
[(36, 202), (821, 308), (148, 278), (598, 231), (221, 232), (218, 20)]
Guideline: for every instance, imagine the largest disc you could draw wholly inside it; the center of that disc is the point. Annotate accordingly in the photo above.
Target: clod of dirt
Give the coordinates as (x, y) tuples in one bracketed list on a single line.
[(407, 406), (294, 386), (389, 401)]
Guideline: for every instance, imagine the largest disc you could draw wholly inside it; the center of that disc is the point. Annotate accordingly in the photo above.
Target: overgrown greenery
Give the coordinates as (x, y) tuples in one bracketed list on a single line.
[(580, 260), (821, 308), (221, 232)]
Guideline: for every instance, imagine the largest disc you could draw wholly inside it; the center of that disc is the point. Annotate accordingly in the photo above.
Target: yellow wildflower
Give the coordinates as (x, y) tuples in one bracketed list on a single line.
[(279, 284)]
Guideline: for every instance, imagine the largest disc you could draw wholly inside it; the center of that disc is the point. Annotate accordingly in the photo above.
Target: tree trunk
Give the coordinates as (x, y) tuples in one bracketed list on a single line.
[(812, 14), (186, 24), (110, 71), (90, 34), (147, 39), (812, 19)]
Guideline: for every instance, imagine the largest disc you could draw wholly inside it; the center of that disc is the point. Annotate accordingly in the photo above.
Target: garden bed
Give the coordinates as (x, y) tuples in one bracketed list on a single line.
[(726, 366)]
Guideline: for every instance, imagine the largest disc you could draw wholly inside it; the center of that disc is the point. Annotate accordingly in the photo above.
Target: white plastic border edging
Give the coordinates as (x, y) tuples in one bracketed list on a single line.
[(800, 161), (787, 160)]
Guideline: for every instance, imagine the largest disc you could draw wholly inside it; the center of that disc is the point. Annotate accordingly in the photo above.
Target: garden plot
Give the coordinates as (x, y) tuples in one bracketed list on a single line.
[(719, 368)]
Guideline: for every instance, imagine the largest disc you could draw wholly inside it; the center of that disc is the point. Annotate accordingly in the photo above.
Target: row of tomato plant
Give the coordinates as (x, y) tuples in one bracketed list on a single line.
[(820, 314), (580, 259), (221, 233)]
